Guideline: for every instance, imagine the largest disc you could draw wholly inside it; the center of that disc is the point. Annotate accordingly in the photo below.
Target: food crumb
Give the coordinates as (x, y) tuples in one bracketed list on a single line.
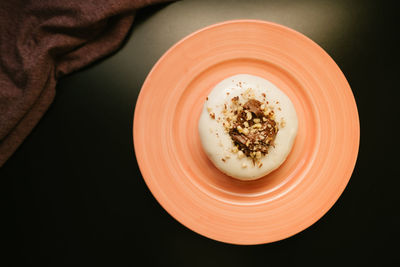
[(283, 123)]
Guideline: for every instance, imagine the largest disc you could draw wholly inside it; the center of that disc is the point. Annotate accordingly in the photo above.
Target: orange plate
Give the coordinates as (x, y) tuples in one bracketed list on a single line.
[(183, 179)]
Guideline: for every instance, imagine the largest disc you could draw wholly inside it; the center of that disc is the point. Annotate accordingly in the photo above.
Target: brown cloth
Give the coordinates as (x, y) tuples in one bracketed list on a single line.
[(42, 40)]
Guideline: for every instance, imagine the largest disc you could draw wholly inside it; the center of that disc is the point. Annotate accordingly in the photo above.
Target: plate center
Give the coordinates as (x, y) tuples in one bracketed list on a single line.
[(201, 171)]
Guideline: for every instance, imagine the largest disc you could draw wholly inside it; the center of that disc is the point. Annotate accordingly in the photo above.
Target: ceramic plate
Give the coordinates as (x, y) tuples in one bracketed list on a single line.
[(183, 179)]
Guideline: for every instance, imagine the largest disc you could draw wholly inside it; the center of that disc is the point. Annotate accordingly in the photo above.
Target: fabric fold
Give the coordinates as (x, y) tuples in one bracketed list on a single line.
[(43, 40)]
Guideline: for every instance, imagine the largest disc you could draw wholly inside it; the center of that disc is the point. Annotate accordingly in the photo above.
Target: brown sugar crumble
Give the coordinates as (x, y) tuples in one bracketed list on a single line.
[(252, 128)]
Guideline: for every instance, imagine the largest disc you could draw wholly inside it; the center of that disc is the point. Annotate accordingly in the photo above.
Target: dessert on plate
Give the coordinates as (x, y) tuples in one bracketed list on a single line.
[(247, 126)]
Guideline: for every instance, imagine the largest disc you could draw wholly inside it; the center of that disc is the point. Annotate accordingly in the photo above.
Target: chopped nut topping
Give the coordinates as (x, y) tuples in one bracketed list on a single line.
[(248, 115), (251, 126)]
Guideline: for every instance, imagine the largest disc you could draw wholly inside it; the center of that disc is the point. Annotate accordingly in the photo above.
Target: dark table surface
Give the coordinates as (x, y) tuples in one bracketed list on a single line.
[(73, 193)]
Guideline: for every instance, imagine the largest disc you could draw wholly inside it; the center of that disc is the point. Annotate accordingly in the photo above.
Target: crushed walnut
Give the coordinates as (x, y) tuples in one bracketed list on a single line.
[(251, 126)]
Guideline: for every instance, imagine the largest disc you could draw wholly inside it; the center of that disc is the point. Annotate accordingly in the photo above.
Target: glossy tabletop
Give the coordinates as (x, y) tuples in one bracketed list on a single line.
[(73, 193)]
